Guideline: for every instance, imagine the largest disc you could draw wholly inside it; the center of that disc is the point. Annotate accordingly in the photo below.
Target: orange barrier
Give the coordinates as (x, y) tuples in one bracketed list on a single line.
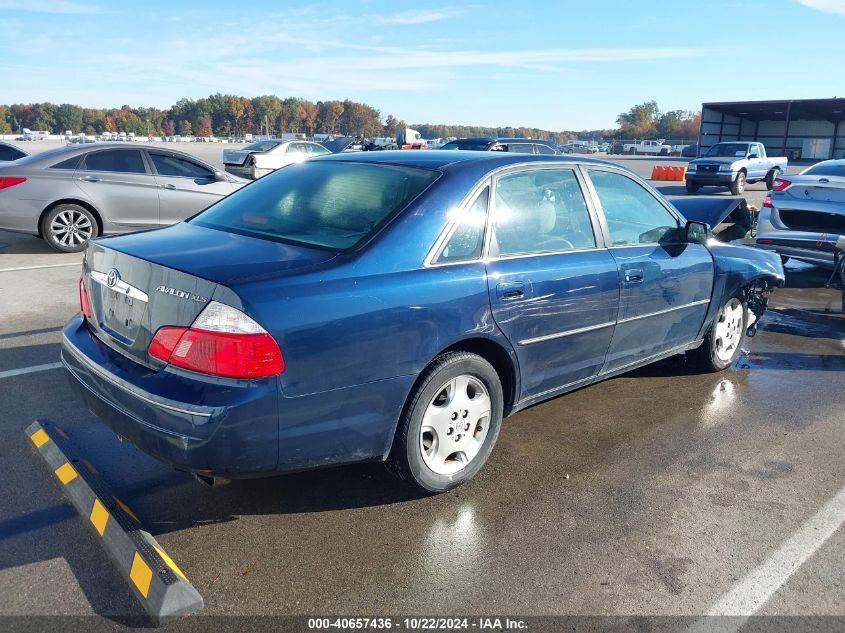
[(668, 172)]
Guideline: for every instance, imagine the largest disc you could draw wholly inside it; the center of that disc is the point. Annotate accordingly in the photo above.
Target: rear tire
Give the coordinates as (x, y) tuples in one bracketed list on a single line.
[(770, 178), (449, 425), (724, 340), (738, 185), (692, 187), (68, 228)]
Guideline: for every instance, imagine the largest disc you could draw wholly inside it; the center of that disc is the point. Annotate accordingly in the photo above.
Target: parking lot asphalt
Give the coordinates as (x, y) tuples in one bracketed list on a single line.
[(660, 492)]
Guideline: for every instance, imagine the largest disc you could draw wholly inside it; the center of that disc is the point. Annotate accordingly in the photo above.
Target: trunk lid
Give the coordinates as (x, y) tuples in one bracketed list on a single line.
[(138, 283), (235, 156), (816, 188)]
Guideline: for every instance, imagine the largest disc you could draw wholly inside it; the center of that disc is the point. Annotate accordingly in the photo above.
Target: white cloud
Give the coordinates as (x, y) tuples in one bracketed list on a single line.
[(828, 6), (420, 17), (49, 6)]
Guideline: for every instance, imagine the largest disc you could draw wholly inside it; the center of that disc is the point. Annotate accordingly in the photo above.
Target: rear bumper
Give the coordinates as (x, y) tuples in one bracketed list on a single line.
[(220, 426), (215, 426)]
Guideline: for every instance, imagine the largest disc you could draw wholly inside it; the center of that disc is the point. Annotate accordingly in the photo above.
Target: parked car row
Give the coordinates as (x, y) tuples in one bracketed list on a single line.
[(70, 195)]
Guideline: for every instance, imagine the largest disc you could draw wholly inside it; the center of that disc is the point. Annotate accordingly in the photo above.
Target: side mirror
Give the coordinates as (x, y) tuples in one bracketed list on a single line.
[(754, 155), (219, 176), (697, 232)]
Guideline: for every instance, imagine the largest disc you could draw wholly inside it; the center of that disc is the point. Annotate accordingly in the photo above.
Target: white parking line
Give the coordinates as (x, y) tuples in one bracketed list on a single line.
[(751, 592), (29, 370), (11, 270)]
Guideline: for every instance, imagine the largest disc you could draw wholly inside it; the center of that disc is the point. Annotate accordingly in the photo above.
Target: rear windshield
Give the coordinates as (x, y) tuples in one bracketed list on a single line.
[(326, 204), (262, 146), (826, 169)]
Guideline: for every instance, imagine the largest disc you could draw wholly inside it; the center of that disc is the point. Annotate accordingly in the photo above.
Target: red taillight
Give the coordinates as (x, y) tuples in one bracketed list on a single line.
[(10, 181), (765, 240), (233, 355), (84, 302), (767, 201), (779, 184)]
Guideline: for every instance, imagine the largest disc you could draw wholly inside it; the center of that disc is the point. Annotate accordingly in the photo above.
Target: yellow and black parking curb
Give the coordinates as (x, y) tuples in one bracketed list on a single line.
[(153, 577)]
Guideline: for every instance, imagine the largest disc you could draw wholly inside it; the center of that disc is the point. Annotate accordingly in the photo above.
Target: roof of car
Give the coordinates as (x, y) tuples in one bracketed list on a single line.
[(445, 160), (502, 139)]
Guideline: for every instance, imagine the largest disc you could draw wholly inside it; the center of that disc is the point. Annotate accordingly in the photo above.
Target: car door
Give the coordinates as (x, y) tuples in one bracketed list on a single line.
[(552, 284), (665, 283), (186, 187), (121, 187)]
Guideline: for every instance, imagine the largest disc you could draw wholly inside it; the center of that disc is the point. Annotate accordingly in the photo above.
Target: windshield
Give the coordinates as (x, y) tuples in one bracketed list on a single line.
[(327, 204), (728, 150), (476, 146), (262, 146), (826, 169)]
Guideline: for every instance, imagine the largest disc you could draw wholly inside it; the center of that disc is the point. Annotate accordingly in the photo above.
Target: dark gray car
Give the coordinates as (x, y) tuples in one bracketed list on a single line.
[(70, 195)]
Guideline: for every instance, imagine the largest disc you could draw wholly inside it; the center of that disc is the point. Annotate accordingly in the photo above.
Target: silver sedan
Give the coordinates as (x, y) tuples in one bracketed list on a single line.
[(804, 214), (70, 195)]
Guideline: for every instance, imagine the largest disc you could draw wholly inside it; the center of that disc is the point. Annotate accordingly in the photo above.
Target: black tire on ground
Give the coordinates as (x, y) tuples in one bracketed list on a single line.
[(406, 456), (770, 178), (68, 227), (664, 151), (708, 357), (738, 185), (692, 187)]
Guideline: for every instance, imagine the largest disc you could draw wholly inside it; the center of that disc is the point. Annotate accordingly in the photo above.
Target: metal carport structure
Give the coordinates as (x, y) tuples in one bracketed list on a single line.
[(809, 129)]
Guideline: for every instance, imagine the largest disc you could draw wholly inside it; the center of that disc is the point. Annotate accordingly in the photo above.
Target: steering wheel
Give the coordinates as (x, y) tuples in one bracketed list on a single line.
[(555, 243)]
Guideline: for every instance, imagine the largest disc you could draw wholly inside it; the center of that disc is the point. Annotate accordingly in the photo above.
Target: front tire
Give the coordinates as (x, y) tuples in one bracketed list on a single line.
[(692, 187), (723, 343), (449, 425), (68, 228), (738, 185)]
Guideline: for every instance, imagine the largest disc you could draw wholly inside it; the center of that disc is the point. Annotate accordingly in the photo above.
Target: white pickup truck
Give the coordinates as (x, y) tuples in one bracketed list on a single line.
[(732, 165), (653, 148)]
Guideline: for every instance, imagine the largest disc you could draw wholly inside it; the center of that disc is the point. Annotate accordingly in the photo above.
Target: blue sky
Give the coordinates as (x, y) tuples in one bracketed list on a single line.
[(559, 65)]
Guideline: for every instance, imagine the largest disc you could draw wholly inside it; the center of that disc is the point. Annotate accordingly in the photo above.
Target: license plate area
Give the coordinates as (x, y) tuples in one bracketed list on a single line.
[(119, 307)]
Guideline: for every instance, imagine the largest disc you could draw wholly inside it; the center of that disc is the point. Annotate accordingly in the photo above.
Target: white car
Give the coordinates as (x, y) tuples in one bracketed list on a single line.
[(262, 157)]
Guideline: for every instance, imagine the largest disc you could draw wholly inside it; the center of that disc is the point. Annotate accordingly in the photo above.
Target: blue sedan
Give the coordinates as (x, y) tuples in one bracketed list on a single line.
[(394, 306)]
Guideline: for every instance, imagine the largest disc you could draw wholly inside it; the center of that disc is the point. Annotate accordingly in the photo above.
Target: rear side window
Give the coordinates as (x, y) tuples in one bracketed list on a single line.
[(521, 148), (70, 163), (468, 239), (10, 153), (634, 216), (168, 165), (126, 161), (327, 204), (826, 169), (317, 150), (544, 149)]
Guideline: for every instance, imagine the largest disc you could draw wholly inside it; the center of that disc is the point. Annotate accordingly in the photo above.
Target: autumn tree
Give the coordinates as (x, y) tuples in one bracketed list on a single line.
[(185, 128), (309, 116), (204, 126), (640, 121)]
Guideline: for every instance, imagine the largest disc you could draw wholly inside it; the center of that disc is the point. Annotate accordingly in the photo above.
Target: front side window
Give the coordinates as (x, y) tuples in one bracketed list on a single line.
[(634, 215), (334, 205), (538, 211), (168, 165), (297, 148), (125, 161), (466, 242), (544, 149)]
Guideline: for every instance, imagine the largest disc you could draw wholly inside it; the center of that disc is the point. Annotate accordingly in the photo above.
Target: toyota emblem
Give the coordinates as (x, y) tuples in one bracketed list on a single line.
[(113, 278)]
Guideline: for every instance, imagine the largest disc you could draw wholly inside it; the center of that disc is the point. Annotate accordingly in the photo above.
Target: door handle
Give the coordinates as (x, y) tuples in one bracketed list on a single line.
[(510, 290), (633, 275), (824, 181), (90, 179), (168, 186)]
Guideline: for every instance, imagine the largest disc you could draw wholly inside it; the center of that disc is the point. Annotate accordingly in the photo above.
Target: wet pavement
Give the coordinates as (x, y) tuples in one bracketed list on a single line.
[(656, 492)]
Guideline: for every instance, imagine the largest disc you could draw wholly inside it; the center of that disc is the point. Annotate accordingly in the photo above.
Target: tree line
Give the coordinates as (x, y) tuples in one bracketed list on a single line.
[(233, 115)]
